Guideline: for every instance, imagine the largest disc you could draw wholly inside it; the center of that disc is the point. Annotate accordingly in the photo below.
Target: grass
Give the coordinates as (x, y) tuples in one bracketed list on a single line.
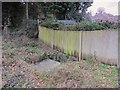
[(90, 61), (85, 73), (114, 72), (27, 59), (8, 48), (103, 66), (33, 50), (81, 73), (77, 72), (11, 49)]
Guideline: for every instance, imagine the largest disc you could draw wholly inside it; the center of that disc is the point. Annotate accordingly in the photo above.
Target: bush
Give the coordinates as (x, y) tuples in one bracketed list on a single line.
[(109, 25), (68, 27), (52, 24), (30, 28), (114, 26), (106, 24), (82, 26), (92, 26)]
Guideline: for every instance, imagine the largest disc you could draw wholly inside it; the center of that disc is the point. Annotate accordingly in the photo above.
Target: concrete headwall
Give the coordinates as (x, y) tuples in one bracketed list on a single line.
[(102, 44)]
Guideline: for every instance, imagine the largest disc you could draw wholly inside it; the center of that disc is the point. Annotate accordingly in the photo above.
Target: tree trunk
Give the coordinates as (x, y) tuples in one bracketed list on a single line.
[(6, 32), (27, 11)]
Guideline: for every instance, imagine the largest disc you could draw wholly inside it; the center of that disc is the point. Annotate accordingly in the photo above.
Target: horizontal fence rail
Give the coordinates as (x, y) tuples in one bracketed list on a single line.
[(102, 44)]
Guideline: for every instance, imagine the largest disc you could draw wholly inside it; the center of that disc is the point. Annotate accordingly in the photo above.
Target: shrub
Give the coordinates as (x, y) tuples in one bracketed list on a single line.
[(68, 27), (114, 26), (52, 24), (28, 28), (109, 25), (106, 24), (82, 26), (88, 26), (32, 29)]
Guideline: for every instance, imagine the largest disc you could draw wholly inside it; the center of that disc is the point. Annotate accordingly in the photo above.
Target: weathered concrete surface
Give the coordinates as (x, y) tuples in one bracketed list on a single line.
[(103, 44), (47, 65)]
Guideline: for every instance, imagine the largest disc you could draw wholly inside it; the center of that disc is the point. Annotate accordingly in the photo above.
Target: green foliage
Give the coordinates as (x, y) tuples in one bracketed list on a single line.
[(51, 24), (44, 56), (30, 28), (9, 49), (33, 50), (46, 24), (114, 72), (10, 52), (68, 27), (16, 11), (103, 66), (27, 59), (89, 60), (65, 10), (109, 25), (82, 26), (90, 26)]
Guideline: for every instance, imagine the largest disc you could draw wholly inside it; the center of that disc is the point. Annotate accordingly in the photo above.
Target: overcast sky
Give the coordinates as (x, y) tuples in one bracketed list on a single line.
[(111, 6)]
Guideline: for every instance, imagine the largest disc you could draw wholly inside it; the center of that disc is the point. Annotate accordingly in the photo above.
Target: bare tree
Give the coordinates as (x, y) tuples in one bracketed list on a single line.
[(101, 10)]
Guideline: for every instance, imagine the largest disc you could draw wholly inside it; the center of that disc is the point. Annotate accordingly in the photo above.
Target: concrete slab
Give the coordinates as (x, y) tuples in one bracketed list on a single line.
[(47, 65)]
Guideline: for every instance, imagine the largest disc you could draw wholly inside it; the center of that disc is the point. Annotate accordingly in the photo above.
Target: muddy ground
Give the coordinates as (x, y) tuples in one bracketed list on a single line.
[(20, 54)]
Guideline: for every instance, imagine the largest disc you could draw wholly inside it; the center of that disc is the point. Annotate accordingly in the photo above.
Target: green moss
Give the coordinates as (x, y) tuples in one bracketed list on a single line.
[(113, 80), (114, 72), (103, 66), (62, 39)]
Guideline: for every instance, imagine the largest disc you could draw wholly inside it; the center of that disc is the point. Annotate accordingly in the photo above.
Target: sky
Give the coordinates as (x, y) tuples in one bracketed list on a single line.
[(110, 6)]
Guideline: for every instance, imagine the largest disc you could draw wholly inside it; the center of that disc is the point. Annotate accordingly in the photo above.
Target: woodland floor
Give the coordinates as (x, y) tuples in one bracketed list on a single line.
[(19, 72)]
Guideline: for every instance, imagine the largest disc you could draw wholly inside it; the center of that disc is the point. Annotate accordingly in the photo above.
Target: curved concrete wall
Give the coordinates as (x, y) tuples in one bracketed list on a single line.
[(102, 44)]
